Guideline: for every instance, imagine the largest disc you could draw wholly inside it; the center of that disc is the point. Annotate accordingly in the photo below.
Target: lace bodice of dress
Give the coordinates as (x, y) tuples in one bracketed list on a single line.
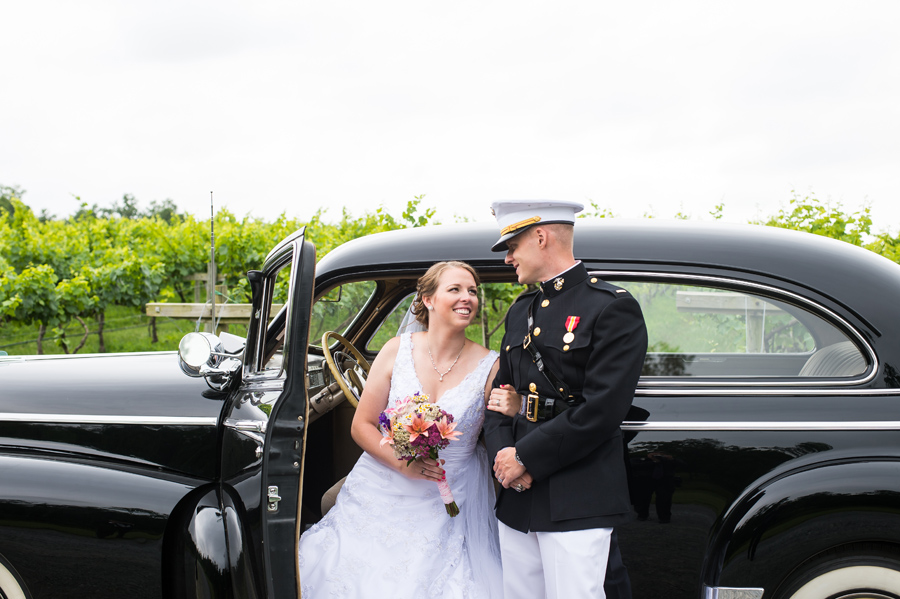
[(465, 401)]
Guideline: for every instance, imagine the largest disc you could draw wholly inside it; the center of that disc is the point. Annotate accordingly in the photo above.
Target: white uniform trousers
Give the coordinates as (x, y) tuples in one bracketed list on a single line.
[(554, 565)]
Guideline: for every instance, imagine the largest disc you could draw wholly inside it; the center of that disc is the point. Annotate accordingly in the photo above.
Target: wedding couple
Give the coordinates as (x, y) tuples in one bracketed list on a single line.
[(550, 403)]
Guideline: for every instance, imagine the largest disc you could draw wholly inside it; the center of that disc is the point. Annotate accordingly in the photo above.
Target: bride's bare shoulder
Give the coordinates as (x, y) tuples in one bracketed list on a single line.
[(388, 352), (479, 351)]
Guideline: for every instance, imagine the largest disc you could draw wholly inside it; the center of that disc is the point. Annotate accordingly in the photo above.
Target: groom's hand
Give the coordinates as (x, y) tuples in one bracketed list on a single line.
[(506, 468), (523, 482)]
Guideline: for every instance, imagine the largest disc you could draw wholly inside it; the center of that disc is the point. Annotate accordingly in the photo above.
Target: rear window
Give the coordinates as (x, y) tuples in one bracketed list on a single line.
[(697, 331)]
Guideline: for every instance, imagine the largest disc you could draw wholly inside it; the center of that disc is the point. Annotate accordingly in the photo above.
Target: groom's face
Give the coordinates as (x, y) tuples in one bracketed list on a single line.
[(524, 255)]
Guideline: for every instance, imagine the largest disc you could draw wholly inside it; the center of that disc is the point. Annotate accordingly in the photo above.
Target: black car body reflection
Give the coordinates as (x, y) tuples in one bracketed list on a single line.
[(763, 445)]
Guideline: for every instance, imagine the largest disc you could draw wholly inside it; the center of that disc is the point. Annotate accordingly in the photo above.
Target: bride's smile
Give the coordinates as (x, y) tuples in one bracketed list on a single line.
[(456, 299)]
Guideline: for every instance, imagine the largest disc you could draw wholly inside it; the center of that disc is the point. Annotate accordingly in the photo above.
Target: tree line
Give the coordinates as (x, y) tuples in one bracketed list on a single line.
[(56, 271)]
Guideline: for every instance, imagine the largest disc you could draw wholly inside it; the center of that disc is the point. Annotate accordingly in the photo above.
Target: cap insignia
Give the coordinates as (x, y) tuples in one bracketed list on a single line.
[(519, 225)]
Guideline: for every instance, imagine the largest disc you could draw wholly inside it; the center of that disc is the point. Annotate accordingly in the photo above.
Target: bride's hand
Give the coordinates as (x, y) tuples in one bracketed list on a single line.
[(505, 400), (423, 468)]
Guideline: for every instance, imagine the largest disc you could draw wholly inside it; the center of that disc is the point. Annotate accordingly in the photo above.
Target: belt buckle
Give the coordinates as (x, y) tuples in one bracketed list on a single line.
[(531, 409), (527, 341)]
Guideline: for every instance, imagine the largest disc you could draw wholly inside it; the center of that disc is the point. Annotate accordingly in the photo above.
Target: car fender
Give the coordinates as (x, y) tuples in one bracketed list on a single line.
[(105, 517), (195, 549), (791, 517)]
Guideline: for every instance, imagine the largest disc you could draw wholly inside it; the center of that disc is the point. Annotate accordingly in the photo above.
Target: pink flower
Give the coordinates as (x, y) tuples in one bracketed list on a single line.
[(388, 438), (447, 429)]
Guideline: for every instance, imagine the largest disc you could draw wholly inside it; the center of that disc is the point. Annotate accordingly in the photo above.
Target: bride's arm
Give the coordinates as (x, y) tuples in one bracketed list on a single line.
[(365, 428), (504, 399)]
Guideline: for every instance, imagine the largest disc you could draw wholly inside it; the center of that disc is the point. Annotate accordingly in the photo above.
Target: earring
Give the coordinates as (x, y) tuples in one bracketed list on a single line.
[(431, 307)]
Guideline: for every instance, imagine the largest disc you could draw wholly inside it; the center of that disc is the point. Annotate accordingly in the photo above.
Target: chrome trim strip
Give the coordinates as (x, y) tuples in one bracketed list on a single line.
[(731, 593), (750, 391), (104, 419), (755, 425), (772, 290), (82, 356)]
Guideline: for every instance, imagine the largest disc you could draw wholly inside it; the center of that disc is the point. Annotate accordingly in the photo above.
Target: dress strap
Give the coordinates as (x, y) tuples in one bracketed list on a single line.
[(404, 372), (484, 366)]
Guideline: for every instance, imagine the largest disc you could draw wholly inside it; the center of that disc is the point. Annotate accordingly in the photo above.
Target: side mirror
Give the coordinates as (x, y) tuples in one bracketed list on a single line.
[(197, 350), (202, 355)]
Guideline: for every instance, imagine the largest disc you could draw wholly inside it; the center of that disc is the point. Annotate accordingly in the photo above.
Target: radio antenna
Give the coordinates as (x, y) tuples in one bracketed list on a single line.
[(212, 264)]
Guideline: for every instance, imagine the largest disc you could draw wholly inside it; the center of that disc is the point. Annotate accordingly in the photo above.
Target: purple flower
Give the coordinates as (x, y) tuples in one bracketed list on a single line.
[(384, 421)]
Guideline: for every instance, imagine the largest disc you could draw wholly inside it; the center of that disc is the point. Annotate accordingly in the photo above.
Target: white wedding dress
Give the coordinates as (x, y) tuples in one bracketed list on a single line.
[(390, 536)]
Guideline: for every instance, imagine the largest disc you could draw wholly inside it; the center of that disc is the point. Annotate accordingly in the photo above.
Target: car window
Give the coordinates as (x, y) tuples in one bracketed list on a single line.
[(390, 326), (487, 328), (697, 331), (337, 309), (279, 297)]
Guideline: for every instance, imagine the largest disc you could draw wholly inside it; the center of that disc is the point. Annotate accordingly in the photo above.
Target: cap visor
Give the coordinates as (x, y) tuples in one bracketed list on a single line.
[(501, 246)]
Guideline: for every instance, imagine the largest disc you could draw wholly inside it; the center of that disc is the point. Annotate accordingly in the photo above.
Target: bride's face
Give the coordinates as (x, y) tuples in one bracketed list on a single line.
[(455, 300)]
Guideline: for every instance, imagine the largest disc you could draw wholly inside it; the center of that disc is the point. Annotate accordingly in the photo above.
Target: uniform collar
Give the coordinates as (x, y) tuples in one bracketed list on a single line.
[(563, 281)]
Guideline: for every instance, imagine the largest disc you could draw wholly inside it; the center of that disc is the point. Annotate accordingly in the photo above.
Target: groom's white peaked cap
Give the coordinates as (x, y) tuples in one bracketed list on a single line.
[(516, 216)]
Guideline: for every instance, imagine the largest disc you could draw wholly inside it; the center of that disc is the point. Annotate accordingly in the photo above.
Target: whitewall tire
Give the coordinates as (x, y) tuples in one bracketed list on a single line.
[(862, 581), (9, 586)]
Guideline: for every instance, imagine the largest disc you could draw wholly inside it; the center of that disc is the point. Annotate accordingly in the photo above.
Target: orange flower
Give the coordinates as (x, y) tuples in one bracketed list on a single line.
[(447, 429), (417, 426)]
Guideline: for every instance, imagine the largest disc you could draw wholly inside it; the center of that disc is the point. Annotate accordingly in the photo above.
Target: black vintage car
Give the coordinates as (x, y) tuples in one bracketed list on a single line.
[(763, 445)]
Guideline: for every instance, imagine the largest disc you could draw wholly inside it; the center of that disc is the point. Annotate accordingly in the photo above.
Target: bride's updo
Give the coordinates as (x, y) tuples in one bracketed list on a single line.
[(428, 283)]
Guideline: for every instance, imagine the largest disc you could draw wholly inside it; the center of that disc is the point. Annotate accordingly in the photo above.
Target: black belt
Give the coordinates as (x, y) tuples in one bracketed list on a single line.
[(539, 409)]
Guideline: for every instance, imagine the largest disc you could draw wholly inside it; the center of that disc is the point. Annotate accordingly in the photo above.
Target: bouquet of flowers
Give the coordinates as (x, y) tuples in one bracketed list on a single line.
[(418, 429)]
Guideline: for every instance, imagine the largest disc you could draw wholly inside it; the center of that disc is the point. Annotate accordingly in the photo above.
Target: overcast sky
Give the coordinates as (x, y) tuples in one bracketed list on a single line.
[(640, 107)]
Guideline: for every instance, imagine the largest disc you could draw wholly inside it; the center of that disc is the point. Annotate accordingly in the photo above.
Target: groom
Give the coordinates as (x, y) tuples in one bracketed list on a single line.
[(573, 350)]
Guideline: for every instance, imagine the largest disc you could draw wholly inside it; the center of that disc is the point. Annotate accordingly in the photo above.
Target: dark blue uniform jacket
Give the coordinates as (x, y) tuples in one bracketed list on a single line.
[(577, 458)]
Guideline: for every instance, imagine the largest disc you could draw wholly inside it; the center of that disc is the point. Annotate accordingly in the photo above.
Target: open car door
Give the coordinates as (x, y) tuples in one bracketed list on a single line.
[(268, 416)]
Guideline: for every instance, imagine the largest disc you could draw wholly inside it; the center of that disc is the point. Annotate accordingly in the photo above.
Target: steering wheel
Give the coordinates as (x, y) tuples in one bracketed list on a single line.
[(350, 368)]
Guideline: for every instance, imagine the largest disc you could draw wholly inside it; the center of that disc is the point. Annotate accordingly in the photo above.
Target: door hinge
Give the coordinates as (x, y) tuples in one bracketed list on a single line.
[(273, 498)]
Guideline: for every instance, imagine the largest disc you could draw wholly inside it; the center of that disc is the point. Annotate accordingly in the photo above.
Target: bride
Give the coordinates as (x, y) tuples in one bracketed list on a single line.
[(388, 533)]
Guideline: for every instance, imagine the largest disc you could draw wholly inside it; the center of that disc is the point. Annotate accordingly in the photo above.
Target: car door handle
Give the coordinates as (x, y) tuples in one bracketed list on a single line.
[(254, 429)]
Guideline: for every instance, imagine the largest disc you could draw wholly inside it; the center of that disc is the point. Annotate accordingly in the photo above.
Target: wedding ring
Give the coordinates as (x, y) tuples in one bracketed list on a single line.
[(423, 471), (519, 488), (499, 480)]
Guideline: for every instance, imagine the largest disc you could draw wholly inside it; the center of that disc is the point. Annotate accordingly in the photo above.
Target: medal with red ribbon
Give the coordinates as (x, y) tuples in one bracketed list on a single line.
[(571, 325)]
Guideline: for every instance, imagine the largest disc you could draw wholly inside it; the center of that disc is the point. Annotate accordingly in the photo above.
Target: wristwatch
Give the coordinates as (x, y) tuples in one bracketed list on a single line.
[(519, 460)]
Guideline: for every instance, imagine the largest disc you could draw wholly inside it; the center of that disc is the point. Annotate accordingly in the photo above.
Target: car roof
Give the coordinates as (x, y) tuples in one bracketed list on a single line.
[(772, 250)]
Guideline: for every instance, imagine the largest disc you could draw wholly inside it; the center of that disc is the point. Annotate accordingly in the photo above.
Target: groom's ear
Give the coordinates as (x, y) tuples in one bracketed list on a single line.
[(541, 235)]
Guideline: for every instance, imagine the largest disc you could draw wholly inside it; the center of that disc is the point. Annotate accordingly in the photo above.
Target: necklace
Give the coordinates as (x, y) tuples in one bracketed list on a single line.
[(433, 365)]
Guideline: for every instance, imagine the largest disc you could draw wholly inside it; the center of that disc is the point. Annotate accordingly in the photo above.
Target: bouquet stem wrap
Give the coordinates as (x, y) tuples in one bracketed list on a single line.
[(447, 497)]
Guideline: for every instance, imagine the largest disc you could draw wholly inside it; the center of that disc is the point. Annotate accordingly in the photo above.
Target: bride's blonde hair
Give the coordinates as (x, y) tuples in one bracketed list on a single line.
[(428, 283)]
